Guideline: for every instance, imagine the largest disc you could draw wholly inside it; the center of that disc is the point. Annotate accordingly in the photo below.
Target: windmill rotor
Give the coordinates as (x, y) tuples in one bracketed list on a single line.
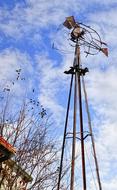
[(86, 37)]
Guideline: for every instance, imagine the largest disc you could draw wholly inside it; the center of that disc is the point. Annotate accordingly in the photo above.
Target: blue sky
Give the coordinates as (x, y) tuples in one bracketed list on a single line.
[(27, 31)]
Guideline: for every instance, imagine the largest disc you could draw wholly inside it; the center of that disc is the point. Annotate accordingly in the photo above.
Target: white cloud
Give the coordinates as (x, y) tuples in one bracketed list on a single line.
[(36, 15), (107, 23), (10, 61), (52, 85)]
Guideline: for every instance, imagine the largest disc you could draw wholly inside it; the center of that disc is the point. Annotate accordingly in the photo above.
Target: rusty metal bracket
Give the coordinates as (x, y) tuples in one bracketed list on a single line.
[(78, 70)]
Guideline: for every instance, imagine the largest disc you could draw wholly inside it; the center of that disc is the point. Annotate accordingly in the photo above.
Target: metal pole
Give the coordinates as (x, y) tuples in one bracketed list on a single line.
[(64, 137), (81, 121), (74, 136), (92, 137)]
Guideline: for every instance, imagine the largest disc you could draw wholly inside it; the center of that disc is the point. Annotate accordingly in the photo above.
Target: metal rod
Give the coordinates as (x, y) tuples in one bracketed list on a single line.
[(81, 121), (92, 137), (74, 136), (64, 137)]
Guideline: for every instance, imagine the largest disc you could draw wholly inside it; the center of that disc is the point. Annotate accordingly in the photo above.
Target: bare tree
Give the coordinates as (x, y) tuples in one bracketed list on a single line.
[(27, 128)]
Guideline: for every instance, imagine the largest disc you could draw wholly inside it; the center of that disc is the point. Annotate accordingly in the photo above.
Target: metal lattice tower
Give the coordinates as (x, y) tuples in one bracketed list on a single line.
[(81, 36)]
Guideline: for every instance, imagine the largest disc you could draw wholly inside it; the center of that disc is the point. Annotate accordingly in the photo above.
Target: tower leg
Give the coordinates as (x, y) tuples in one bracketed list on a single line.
[(81, 134), (64, 137), (81, 120), (74, 136)]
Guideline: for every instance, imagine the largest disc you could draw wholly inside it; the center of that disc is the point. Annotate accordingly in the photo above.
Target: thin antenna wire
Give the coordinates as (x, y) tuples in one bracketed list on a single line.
[(91, 168)]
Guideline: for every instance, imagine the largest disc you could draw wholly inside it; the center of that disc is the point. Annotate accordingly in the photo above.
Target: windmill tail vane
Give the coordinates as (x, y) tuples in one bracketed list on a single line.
[(105, 51)]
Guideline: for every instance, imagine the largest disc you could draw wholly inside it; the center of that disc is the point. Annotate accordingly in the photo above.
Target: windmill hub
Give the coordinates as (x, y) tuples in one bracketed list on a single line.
[(76, 34)]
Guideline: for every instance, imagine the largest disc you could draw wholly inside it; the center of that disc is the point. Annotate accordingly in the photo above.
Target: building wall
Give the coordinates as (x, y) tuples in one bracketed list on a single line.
[(13, 177)]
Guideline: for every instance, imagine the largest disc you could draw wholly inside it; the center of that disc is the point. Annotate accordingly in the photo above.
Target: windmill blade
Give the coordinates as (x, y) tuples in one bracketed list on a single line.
[(101, 42)]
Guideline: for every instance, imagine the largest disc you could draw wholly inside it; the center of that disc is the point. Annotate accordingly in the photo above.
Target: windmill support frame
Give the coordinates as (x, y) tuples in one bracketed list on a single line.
[(77, 73)]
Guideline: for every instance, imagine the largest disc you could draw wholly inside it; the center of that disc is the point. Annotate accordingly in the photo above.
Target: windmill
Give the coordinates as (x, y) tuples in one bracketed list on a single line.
[(81, 36)]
